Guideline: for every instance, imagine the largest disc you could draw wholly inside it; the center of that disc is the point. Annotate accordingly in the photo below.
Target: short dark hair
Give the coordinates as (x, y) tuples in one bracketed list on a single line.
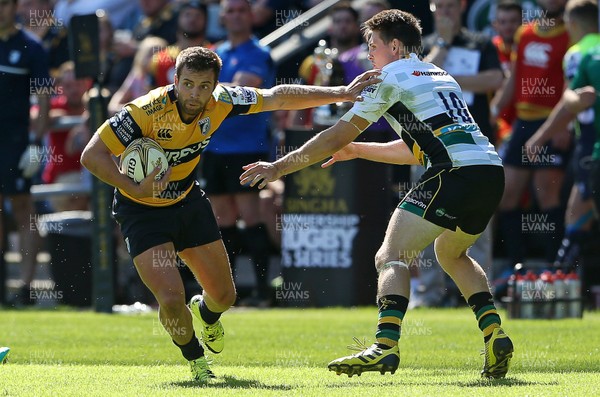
[(395, 24), (248, 2), (196, 4), (380, 3), (509, 5), (198, 59), (583, 12), (345, 6)]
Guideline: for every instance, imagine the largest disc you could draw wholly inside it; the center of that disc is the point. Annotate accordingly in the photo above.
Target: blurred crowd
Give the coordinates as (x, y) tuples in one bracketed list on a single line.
[(512, 59)]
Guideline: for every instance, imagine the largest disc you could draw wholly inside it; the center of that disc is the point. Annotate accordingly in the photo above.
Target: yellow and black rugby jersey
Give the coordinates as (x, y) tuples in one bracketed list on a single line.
[(155, 116)]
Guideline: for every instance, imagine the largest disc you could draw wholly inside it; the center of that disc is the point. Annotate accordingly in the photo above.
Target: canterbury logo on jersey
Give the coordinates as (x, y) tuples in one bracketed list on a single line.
[(164, 134), (187, 153), (537, 54)]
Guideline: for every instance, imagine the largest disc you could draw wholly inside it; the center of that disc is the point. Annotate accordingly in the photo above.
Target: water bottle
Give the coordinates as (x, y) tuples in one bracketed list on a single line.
[(519, 280), (516, 282), (561, 294), (512, 297), (574, 293), (546, 294), (528, 295)]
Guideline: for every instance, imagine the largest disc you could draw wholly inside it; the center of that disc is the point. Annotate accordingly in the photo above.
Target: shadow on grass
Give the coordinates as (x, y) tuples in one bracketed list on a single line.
[(503, 382), (435, 381), (229, 382)]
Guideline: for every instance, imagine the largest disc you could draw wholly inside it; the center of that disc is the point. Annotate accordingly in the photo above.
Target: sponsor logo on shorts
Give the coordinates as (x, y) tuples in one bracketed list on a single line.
[(441, 212), (418, 203)]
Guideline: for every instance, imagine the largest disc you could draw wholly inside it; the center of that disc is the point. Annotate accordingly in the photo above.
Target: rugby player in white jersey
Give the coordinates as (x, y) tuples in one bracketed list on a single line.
[(450, 206)]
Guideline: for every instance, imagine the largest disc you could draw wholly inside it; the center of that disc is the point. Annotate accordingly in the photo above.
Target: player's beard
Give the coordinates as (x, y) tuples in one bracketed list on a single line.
[(191, 112)]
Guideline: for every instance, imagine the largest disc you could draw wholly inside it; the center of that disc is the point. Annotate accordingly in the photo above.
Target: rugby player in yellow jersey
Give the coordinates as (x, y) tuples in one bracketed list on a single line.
[(172, 216), (451, 205)]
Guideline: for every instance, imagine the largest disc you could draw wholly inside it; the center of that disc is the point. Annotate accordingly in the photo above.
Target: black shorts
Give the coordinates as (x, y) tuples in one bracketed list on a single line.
[(545, 156), (464, 197), (11, 178), (582, 156), (595, 182), (188, 223), (220, 173)]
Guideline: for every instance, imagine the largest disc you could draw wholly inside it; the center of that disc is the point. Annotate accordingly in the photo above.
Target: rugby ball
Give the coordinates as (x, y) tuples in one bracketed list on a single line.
[(141, 157)]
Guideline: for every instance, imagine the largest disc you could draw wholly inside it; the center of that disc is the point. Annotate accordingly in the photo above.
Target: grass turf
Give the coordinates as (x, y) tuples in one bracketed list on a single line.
[(283, 352)]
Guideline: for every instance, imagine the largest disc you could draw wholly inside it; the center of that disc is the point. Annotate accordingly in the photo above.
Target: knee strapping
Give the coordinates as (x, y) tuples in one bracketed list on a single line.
[(391, 264)]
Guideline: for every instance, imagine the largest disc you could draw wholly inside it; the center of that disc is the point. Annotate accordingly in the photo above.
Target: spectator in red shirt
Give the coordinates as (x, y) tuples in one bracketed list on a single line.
[(509, 17), (65, 146)]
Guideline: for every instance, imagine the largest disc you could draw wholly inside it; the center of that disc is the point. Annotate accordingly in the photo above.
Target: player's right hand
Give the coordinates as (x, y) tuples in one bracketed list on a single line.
[(353, 91), (148, 187)]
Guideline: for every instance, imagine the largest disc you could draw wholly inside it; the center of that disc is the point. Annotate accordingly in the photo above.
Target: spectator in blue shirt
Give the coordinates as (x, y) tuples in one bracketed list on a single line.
[(240, 140)]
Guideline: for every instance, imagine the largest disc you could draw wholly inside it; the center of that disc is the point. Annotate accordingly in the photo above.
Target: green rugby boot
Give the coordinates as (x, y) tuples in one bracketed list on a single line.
[(213, 335), (498, 352), (201, 371), (4, 354)]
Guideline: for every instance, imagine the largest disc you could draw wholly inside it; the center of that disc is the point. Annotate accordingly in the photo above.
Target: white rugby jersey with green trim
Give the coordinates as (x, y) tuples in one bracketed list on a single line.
[(425, 106)]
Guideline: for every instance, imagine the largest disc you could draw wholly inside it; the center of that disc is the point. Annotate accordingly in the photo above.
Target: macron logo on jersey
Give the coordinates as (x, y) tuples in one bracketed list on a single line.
[(422, 73)]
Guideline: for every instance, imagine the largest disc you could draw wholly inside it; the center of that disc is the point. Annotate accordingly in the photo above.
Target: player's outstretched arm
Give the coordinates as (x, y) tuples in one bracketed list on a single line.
[(557, 121), (571, 103), (394, 152), (97, 158), (580, 99), (318, 148), (294, 96)]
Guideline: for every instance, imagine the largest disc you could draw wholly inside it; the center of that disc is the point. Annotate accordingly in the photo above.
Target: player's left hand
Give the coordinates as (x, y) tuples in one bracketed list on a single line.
[(260, 172), (348, 152), (562, 140), (587, 95), (531, 148), (353, 90)]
